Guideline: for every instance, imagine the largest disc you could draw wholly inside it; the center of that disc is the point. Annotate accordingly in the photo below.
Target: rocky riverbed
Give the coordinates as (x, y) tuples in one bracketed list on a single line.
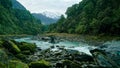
[(75, 56)]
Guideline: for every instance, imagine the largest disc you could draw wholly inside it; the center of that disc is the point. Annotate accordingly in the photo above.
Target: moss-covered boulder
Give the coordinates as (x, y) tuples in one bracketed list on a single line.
[(1, 42), (17, 64), (21, 57), (27, 48), (40, 64), (3, 56), (2, 65), (70, 64), (12, 47)]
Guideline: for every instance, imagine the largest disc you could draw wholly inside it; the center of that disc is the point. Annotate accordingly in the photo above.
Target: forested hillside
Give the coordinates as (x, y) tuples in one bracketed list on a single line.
[(91, 17), (15, 20), (44, 19)]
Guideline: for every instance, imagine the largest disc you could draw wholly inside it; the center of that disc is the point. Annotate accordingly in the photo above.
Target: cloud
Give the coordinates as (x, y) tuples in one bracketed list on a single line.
[(39, 6)]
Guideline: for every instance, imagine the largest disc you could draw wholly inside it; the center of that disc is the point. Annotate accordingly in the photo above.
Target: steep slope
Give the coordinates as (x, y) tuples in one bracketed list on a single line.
[(15, 20), (44, 19), (17, 5), (92, 17)]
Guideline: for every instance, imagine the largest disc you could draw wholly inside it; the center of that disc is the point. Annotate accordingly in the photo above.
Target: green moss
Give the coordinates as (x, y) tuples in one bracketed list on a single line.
[(17, 64), (2, 65), (71, 64), (1, 42), (27, 48), (3, 56), (40, 64), (21, 56), (13, 48)]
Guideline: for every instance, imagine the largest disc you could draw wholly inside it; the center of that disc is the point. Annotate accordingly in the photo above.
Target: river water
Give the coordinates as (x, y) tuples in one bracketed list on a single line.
[(79, 46)]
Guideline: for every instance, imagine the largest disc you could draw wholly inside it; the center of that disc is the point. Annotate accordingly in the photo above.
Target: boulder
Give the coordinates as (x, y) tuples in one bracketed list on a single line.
[(17, 64), (103, 60), (12, 47), (40, 64)]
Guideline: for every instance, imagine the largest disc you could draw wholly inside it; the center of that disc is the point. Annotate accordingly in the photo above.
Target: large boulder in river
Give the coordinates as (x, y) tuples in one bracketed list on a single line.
[(78, 56), (103, 59)]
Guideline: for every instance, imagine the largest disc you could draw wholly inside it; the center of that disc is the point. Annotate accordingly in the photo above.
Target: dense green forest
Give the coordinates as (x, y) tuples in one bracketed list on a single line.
[(96, 17), (17, 21)]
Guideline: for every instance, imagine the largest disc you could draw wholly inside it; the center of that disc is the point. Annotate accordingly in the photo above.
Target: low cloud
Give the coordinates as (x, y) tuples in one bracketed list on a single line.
[(39, 6)]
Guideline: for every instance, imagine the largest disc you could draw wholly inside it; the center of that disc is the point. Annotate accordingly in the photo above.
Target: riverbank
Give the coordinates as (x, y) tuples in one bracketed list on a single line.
[(84, 38)]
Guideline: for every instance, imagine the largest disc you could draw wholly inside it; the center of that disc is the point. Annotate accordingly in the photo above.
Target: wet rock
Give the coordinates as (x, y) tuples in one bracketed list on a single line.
[(102, 59), (52, 47)]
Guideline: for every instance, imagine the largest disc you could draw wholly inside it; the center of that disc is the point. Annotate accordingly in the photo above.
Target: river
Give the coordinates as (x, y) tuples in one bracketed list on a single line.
[(79, 46)]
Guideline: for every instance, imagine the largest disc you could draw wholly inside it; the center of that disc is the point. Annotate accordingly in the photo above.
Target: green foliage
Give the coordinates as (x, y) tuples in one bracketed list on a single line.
[(17, 21), (70, 64), (2, 65), (27, 48), (54, 28), (39, 64), (3, 56), (13, 48), (17, 64), (91, 17), (21, 56)]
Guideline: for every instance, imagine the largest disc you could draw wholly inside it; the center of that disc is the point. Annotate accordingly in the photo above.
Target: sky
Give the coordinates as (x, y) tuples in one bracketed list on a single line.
[(54, 6)]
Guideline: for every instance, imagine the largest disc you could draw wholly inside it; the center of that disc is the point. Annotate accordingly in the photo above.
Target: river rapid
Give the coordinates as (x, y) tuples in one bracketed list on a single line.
[(79, 46)]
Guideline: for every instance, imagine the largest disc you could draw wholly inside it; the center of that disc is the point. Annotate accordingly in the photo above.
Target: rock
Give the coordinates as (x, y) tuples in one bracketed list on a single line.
[(12, 47), (52, 39), (40, 64), (103, 60), (17, 64), (59, 65), (83, 57), (3, 56), (52, 47)]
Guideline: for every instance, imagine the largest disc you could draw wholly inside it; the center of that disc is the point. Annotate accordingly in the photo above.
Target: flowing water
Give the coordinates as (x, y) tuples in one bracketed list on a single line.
[(79, 46)]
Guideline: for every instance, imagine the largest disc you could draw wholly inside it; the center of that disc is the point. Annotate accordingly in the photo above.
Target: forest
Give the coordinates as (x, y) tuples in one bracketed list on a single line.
[(17, 21), (92, 17)]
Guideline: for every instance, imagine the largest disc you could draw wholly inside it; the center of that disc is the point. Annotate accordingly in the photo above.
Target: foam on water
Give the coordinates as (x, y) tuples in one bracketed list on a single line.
[(81, 47)]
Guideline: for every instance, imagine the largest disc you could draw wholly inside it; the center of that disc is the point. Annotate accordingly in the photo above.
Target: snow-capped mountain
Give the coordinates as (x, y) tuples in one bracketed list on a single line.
[(54, 15), (46, 19)]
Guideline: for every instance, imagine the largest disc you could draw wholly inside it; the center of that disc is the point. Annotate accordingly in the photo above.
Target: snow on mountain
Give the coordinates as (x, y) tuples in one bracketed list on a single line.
[(52, 15)]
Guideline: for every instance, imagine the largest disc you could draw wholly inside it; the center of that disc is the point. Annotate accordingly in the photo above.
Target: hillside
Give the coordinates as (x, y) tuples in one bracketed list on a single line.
[(93, 17), (44, 19), (15, 19)]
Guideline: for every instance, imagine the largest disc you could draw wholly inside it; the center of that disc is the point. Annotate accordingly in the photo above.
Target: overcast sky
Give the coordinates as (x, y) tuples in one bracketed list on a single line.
[(39, 6)]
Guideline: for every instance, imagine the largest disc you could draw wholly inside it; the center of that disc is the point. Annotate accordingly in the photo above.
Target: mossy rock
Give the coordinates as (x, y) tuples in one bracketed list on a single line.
[(71, 64), (2, 65), (40, 64), (1, 42), (21, 56), (17, 64), (27, 47), (3, 56), (12, 47)]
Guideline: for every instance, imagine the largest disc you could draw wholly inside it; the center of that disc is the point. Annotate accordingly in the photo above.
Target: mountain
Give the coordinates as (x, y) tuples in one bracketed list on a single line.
[(17, 5), (54, 15), (93, 17), (46, 18), (15, 19)]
